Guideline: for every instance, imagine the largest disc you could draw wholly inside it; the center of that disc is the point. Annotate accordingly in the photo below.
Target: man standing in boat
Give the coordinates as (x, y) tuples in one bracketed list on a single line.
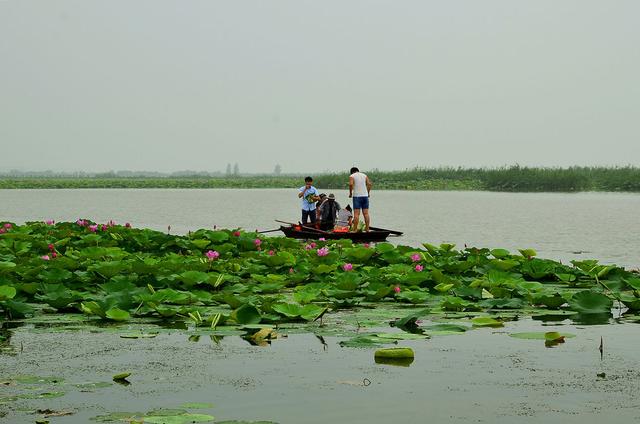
[(309, 195), (359, 189)]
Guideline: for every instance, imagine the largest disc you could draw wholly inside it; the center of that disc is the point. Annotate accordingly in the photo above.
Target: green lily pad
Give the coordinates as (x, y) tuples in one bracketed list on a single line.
[(538, 335), (34, 379), (121, 376), (486, 322), (402, 336), (446, 329), (587, 302), (395, 353), (117, 314), (246, 314)]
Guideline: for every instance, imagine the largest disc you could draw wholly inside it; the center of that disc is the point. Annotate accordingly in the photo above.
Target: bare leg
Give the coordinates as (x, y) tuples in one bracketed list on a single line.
[(356, 220), (365, 213)]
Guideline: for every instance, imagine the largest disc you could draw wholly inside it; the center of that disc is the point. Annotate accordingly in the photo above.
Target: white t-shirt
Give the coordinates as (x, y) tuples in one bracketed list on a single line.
[(360, 185)]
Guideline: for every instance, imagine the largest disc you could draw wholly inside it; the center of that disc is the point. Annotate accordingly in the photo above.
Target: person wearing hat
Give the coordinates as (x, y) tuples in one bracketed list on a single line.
[(328, 212)]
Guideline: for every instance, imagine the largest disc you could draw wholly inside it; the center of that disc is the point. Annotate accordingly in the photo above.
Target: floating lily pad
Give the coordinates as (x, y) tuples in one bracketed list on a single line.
[(34, 379), (121, 376), (402, 336), (446, 329), (539, 335), (397, 362), (587, 302), (486, 322), (395, 353)]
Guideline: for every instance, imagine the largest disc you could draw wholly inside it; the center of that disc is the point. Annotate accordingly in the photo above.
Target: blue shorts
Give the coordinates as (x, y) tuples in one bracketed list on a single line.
[(361, 202)]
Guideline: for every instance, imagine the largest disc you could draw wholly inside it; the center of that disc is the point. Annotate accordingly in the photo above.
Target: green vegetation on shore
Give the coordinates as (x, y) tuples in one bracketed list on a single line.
[(512, 179)]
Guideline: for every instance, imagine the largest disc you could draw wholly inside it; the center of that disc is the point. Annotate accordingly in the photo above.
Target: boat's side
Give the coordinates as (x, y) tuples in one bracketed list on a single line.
[(364, 237)]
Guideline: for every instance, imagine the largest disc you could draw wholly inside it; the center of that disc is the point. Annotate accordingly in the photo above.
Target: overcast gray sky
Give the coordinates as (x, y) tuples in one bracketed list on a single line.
[(317, 85)]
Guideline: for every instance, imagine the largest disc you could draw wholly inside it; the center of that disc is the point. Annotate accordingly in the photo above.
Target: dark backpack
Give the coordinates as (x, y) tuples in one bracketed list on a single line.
[(329, 211)]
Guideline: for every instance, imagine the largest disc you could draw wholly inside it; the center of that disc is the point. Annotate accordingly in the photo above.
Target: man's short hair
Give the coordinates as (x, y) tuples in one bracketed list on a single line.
[(308, 179), (354, 169)]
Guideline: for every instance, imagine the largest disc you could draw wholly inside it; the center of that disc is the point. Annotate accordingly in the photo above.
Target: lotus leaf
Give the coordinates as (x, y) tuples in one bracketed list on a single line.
[(246, 314), (364, 340), (540, 335), (410, 320), (500, 253), (486, 322), (117, 314), (527, 253), (586, 302), (7, 292)]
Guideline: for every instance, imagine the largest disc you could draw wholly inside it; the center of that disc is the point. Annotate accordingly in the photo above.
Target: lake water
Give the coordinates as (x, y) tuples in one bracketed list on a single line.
[(603, 226), (305, 376)]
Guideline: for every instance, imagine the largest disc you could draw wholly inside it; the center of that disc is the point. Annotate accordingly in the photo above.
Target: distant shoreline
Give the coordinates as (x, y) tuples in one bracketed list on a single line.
[(512, 179)]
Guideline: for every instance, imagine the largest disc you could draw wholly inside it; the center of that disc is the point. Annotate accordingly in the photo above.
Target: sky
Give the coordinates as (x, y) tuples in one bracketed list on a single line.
[(317, 85)]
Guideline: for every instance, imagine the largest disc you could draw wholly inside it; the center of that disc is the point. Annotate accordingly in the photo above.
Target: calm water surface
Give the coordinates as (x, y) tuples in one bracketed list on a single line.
[(602, 226)]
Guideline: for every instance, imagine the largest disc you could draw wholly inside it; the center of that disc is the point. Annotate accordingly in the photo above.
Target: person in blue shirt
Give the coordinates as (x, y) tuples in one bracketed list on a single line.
[(309, 195)]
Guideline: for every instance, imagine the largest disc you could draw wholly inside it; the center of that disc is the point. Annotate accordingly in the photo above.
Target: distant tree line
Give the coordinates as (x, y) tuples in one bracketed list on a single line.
[(513, 178)]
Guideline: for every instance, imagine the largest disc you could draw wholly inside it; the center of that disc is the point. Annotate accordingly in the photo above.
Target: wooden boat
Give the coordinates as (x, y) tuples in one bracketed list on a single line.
[(306, 232)]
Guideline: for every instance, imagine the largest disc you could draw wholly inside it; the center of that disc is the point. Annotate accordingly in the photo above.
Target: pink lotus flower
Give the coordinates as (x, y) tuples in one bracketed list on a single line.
[(45, 257), (323, 251), (415, 257), (8, 225), (93, 228), (307, 247), (347, 267), (322, 239), (51, 246), (257, 242), (104, 227), (81, 222), (313, 245), (419, 268), (396, 289), (2, 231), (54, 255), (291, 271), (271, 252), (212, 255), (50, 222), (236, 233), (366, 245), (127, 225)]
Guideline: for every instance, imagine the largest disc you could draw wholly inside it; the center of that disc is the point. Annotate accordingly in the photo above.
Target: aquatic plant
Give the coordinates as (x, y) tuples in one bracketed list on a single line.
[(220, 277)]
